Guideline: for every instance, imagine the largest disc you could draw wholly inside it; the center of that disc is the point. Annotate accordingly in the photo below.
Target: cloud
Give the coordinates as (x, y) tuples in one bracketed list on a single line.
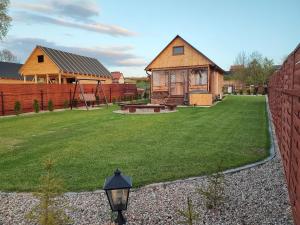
[(119, 56), (68, 13), (78, 9)]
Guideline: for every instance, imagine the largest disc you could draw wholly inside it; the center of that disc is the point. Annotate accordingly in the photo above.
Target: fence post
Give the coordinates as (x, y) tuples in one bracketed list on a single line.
[(42, 100), (110, 94), (70, 98), (2, 101)]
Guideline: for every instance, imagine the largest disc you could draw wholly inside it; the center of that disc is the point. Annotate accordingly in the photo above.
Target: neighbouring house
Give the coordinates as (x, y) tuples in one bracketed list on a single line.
[(47, 65), (9, 73), (117, 77), (182, 74)]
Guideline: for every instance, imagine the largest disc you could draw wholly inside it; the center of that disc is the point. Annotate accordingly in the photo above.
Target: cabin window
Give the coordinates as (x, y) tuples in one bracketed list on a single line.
[(178, 50), (199, 77), (160, 78), (40, 58)]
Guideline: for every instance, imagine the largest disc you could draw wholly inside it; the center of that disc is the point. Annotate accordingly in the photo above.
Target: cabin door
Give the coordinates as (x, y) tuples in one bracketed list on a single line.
[(177, 82)]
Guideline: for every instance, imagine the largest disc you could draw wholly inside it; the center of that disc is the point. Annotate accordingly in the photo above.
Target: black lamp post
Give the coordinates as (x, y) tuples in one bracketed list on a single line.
[(117, 189)]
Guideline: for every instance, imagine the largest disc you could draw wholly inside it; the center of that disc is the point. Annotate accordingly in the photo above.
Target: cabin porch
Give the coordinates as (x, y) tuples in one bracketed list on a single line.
[(189, 86)]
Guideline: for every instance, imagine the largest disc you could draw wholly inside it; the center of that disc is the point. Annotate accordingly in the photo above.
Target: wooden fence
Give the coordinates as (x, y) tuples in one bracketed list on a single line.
[(284, 101), (60, 95)]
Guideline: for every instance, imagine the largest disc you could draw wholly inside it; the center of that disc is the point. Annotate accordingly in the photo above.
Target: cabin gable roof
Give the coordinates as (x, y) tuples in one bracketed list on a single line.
[(191, 57), (70, 63)]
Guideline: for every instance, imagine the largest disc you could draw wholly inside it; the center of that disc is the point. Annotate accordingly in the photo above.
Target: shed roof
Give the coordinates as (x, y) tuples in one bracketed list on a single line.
[(10, 70), (73, 63)]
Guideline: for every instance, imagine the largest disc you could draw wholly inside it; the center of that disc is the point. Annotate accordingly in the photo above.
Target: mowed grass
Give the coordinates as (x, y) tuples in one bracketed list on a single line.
[(88, 146)]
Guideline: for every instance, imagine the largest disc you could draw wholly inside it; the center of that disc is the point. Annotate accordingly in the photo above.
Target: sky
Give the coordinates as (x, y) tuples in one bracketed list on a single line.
[(125, 35)]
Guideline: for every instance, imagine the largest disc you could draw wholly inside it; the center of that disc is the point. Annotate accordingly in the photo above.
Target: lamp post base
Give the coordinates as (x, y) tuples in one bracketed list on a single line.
[(120, 219)]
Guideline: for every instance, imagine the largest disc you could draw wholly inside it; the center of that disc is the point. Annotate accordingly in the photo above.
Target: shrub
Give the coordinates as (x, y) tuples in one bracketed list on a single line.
[(189, 215), (97, 100), (75, 103), (36, 106), (248, 92), (241, 91), (255, 91), (17, 107), (50, 105), (214, 192), (47, 211), (66, 104)]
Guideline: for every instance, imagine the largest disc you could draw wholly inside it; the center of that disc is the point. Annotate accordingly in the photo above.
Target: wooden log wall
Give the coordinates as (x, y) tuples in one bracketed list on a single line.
[(284, 101), (59, 94)]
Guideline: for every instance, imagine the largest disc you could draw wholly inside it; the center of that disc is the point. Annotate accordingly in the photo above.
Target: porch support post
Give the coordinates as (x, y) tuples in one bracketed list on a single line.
[(59, 78), (35, 78), (208, 78), (47, 78), (24, 78)]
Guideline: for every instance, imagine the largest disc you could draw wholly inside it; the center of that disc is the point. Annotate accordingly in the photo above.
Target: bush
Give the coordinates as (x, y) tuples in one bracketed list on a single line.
[(97, 100), (248, 92), (17, 107), (50, 105), (241, 91), (36, 106), (255, 91), (66, 104), (75, 103), (47, 211)]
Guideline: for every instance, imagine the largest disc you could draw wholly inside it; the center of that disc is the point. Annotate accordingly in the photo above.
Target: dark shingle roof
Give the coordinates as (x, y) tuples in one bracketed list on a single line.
[(72, 63), (10, 70)]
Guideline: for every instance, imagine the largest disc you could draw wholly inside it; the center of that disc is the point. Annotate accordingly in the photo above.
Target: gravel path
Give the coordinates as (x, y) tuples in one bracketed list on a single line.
[(255, 196)]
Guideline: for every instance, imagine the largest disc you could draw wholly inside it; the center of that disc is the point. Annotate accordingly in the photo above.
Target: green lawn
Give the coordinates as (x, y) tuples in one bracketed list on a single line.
[(87, 146)]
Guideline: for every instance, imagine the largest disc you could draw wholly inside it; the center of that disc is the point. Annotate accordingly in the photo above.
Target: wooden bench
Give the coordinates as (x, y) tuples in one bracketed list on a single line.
[(156, 108), (170, 104), (87, 97)]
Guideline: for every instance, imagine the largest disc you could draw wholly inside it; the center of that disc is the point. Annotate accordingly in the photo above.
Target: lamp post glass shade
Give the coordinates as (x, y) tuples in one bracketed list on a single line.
[(117, 190), (118, 199)]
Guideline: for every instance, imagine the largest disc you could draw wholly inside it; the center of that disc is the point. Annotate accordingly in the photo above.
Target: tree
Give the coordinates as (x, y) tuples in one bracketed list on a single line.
[(50, 195), (254, 69), (5, 19), (7, 56)]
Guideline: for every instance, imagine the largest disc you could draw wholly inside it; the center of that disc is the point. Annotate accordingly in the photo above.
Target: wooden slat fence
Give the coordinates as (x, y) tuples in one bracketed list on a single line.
[(284, 101), (60, 94)]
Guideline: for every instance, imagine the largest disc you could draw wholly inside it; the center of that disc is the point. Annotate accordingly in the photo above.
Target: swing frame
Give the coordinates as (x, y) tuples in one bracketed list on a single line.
[(82, 94)]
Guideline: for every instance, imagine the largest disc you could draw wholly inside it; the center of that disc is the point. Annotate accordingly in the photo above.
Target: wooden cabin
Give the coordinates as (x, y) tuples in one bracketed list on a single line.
[(47, 65), (183, 75)]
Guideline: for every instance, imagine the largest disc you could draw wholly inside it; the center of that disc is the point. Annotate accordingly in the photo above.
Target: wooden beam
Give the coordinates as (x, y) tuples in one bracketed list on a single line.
[(47, 78), (208, 78), (35, 78), (59, 78), (24, 78)]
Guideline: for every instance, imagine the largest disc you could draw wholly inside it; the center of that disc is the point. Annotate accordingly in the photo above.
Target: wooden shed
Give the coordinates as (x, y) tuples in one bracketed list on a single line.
[(183, 75), (47, 65)]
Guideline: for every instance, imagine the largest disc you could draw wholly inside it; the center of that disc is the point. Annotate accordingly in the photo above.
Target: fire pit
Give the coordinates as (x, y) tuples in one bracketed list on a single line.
[(138, 108)]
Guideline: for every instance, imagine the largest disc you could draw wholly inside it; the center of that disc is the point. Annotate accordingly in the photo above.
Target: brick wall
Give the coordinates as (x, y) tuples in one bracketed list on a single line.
[(284, 101), (26, 93)]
